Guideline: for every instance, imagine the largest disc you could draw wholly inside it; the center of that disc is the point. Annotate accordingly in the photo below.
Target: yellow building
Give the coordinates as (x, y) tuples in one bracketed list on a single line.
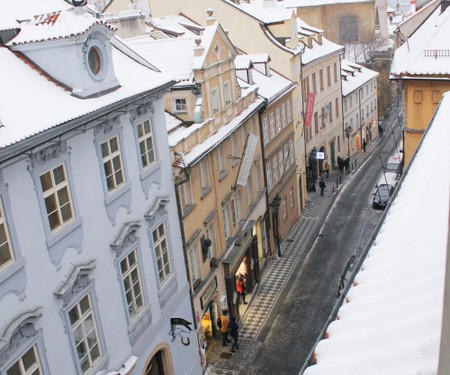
[(214, 135), (273, 30), (422, 66)]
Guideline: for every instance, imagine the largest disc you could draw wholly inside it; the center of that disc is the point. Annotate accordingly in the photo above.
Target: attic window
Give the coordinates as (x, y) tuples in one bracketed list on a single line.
[(94, 60)]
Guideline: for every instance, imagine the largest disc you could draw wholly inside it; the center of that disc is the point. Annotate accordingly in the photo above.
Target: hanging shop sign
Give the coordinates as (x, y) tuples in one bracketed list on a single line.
[(176, 331), (206, 296), (247, 158), (309, 108)]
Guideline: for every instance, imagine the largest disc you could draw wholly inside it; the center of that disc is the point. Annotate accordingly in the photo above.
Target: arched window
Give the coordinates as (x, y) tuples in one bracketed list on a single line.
[(156, 365), (348, 29)]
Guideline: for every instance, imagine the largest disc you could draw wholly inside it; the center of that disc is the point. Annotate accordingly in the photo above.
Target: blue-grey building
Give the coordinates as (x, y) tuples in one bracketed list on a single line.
[(92, 272)]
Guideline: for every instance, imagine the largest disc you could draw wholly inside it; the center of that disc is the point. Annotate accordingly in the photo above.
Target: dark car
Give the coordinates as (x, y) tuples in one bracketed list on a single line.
[(382, 195)]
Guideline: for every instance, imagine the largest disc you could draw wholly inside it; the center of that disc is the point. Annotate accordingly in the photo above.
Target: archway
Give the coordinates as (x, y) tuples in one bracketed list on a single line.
[(160, 361)]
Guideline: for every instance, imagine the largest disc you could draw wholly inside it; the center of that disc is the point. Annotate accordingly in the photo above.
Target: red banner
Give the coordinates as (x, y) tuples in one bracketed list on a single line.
[(309, 108)]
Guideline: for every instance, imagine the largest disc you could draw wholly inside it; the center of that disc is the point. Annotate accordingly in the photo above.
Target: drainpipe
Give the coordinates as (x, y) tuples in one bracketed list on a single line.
[(187, 177)]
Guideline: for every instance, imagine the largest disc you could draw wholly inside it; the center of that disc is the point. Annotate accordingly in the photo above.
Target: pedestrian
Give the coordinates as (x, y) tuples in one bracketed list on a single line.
[(347, 164), (322, 186), (222, 323), (234, 333), (241, 289), (327, 168), (340, 164), (364, 145)]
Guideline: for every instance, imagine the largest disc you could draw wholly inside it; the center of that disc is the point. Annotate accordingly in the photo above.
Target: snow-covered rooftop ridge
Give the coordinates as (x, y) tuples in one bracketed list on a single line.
[(355, 76), (265, 15), (26, 9), (56, 25), (176, 24), (207, 39), (8, 22), (427, 51), (424, 10), (244, 61), (31, 103), (392, 322), (312, 3), (320, 50)]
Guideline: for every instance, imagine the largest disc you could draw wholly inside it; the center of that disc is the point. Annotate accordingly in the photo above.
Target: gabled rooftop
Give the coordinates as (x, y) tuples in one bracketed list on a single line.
[(355, 76), (427, 51)]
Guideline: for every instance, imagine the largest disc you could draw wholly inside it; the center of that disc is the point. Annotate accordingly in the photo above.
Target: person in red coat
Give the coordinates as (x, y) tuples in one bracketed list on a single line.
[(241, 289)]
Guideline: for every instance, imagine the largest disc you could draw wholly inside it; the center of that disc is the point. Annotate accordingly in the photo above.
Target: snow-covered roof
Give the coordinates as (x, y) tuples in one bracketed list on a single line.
[(8, 22), (173, 56), (304, 27), (26, 9), (392, 322), (427, 51), (176, 24), (172, 122), (318, 51), (312, 3), (31, 103), (56, 25), (201, 149), (356, 76), (264, 15)]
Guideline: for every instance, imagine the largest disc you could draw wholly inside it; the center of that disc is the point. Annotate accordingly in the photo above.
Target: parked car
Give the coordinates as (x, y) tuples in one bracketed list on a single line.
[(394, 164), (382, 195)]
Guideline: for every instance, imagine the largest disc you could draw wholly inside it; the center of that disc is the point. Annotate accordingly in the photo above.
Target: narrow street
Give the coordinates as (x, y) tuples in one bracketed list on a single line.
[(315, 288)]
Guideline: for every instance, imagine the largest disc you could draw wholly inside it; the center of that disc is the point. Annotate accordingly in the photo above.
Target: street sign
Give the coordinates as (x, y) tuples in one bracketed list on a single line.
[(320, 155)]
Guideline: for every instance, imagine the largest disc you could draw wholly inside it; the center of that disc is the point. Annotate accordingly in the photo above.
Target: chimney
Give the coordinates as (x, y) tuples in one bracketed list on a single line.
[(198, 50), (210, 20)]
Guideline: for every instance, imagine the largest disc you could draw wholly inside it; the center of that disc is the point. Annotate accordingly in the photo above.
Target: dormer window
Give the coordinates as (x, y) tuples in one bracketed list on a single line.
[(95, 53)]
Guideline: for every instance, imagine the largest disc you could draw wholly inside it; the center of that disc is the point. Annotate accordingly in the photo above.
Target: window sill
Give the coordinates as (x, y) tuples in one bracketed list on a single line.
[(205, 192), (188, 209), (53, 239), (116, 194), (235, 162), (149, 170), (222, 175)]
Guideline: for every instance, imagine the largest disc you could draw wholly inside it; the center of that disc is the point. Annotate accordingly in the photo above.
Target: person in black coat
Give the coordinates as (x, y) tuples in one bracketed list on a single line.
[(322, 186), (234, 333)]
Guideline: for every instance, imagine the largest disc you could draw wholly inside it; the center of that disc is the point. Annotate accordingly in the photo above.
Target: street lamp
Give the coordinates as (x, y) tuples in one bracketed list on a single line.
[(275, 204), (348, 131)]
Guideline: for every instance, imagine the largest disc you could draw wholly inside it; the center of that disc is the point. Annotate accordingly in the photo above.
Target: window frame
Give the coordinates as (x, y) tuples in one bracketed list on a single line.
[(143, 140), (288, 110), (275, 168), (278, 119), (110, 158), (167, 275), (194, 263), (265, 131), (283, 115), (227, 92), (180, 105), (269, 175), (272, 125), (215, 100), (7, 242)]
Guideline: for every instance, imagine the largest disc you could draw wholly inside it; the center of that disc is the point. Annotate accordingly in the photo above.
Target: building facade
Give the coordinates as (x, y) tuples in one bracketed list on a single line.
[(359, 95), (92, 274)]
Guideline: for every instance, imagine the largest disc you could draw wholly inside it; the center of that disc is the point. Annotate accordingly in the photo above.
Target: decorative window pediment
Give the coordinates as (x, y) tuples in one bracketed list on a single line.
[(77, 280), (18, 331), (125, 237), (157, 208)]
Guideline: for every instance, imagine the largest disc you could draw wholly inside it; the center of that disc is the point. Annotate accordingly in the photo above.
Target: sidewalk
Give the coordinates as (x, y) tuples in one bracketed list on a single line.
[(280, 273)]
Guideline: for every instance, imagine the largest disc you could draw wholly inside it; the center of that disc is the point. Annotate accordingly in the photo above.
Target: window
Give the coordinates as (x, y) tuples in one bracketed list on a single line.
[(272, 125), (234, 150), (330, 111), (371, 107), (193, 261), (227, 92), (291, 197), (28, 364), (316, 122), (250, 188), (132, 284), (278, 119), (335, 72), (265, 131), (85, 334), (211, 234), (362, 114), (336, 105), (314, 84), (162, 252), (322, 116), (269, 176), (283, 115), (367, 111), (238, 204), (275, 169), (221, 161), (233, 213), (288, 110), (226, 223), (329, 75), (112, 163), (286, 156), (203, 171), (351, 100), (321, 79), (6, 254), (180, 105), (57, 197), (186, 197), (345, 105), (280, 160), (291, 151), (306, 88), (215, 100), (146, 146), (284, 210)]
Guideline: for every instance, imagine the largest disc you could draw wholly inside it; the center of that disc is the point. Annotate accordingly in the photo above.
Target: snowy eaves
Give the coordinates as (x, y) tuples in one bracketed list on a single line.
[(320, 50), (357, 75), (392, 321), (264, 15)]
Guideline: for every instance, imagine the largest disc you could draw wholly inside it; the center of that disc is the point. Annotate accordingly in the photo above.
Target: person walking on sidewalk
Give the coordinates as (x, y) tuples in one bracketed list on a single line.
[(241, 289), (222, 323), (322, 186), (234, 332), (327, 168), (364, 145)]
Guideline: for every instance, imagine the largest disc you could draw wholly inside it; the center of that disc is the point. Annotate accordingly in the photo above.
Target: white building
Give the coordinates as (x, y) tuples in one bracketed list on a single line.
[(359, 96), (92, 272)]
